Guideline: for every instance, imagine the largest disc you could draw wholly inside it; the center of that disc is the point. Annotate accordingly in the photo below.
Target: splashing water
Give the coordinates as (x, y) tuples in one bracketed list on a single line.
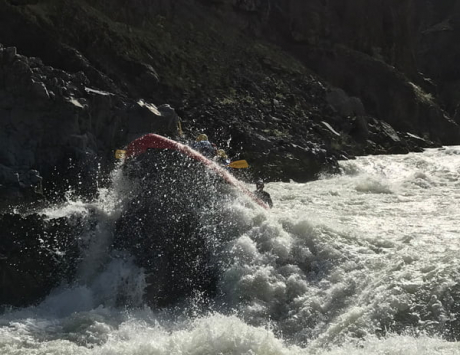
[(365, 262)]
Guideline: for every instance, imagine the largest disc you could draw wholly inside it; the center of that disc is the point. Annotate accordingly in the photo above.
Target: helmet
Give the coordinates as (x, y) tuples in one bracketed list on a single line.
[(202, 137), (221, 153), (260, 183)]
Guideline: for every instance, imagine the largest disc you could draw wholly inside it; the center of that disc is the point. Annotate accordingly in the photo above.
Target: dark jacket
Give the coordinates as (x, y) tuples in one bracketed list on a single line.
[(264, 196), (205, 148)]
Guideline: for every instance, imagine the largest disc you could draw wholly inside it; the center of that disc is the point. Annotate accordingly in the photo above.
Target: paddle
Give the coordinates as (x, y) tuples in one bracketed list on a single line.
[(239, 164)]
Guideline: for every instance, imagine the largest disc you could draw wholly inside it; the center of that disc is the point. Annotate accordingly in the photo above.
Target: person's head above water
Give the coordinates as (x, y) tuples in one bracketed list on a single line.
[(202, 137), (221, 153), (259, 184)]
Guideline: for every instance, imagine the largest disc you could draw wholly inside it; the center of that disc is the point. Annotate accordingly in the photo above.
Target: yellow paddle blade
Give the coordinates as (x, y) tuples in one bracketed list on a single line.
[(120, 154), (239, 164)]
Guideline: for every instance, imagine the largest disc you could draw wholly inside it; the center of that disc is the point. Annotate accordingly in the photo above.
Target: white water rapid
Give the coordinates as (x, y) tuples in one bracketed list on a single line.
[(366, 262)]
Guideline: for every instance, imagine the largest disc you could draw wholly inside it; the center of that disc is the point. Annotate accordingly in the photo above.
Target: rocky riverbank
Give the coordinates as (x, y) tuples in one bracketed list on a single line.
[(79, 79)]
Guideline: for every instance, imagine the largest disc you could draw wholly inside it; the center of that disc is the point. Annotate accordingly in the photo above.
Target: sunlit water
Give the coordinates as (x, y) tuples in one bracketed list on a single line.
[(366, 262)]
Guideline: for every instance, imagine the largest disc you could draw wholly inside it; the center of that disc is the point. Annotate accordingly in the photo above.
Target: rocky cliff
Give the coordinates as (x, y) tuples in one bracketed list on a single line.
[(291, 86)]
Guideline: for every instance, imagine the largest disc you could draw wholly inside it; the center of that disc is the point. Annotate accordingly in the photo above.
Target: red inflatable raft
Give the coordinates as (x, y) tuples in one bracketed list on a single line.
[(155, 141)]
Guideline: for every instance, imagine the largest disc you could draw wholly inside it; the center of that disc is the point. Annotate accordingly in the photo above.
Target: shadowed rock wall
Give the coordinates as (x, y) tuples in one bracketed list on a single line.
[(374, 50), (211, 61)]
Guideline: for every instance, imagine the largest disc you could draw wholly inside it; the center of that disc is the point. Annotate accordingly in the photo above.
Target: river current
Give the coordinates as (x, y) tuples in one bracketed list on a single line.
[(365, 262)]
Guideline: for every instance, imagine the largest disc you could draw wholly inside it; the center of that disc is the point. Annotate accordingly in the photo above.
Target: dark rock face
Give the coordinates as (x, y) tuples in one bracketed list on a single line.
[(373, 50), (439, 50), (45, 116), (386, 93), (54, 123), (35, 256), (112, 69)]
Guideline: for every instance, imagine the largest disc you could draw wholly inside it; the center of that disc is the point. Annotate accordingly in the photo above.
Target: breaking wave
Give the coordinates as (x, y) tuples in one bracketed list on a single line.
[(360, 263)]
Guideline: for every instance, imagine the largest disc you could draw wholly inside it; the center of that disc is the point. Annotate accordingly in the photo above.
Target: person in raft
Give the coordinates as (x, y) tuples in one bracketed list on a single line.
[(222, 158), (204, 146), (263, 195)]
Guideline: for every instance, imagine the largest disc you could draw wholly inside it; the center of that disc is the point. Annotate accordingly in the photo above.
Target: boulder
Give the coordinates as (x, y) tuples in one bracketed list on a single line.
[(345, 105), (35, 256), (144, 117), (53, 120)]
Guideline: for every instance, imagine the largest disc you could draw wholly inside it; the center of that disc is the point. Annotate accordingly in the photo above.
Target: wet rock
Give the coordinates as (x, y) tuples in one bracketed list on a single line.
[(345, 105), (35, 62), (39, 89), (10, 54), (279, 100), (7, 175), (21, 67), (35, 256), (359, 128), (51, 119), (19, 188), (145, 118)]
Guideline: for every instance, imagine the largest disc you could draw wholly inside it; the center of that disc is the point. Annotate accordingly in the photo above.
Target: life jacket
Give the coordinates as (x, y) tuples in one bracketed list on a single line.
[(264, 196), (205, 148)]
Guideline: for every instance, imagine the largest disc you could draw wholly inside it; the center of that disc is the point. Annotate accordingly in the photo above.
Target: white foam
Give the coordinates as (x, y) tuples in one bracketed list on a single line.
[(336, 267)]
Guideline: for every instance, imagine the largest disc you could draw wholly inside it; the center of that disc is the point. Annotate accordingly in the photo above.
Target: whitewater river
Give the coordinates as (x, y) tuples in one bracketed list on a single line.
[(366, 262)]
